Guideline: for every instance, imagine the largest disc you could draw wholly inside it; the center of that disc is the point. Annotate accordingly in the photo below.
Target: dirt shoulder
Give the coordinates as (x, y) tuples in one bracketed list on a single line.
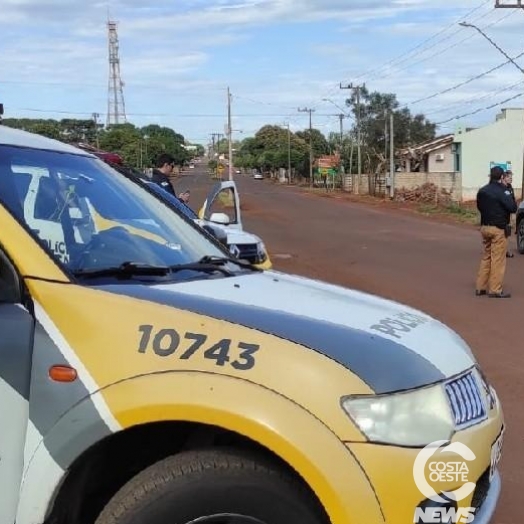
[(464, 213)]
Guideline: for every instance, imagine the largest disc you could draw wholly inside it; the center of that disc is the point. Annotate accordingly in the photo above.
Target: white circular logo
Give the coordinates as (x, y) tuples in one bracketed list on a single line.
[(443, 471)]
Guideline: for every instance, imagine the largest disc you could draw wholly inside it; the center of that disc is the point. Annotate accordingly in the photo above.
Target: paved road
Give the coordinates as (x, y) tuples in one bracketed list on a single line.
[(408, 258)]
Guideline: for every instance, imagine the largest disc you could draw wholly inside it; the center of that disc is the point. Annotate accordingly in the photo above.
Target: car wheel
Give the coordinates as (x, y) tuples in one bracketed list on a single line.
[(520, 237), (213, 487)]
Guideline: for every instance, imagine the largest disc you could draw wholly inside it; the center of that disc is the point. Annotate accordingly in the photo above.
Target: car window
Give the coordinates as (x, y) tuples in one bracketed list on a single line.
[(224, 203), (89, 216)]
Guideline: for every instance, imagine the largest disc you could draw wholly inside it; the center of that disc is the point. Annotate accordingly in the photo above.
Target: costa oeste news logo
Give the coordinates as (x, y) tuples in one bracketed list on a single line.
[(429, 467)]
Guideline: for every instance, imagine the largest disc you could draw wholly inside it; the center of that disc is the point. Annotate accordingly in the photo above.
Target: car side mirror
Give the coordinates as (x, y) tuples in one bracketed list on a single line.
[(219, 218)]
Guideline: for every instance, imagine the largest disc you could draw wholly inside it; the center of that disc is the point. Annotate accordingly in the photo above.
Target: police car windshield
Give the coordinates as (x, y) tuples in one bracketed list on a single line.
[(173, 200), (91, 217)]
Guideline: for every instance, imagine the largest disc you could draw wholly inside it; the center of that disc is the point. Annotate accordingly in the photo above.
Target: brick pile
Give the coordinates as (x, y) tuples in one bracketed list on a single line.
[(424, 194)]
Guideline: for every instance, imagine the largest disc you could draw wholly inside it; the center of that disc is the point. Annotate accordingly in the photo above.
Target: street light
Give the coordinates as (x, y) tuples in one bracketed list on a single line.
[(465, 24)]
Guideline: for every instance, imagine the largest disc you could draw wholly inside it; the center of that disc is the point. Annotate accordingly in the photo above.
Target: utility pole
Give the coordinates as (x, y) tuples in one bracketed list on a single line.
[(216, 144), (95, 120), (216, 149), (341, 117), (288, 154), (385, 134), (518, 4), (229, 135), (392, 154), (213, 143), (357, 89), (310, 111)]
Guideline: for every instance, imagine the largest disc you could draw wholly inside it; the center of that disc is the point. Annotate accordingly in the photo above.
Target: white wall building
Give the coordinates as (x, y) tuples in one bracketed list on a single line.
[(499, 142)]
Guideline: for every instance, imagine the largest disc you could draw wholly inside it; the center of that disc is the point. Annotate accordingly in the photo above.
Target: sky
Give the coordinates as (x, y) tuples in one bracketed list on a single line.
[(178, 58)]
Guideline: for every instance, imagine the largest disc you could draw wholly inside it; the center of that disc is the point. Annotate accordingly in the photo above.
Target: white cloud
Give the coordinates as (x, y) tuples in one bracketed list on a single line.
[(178, 57)]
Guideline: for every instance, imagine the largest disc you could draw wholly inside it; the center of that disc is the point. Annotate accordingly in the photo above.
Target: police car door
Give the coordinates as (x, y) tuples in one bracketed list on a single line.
[(223, 199), (16, 348)]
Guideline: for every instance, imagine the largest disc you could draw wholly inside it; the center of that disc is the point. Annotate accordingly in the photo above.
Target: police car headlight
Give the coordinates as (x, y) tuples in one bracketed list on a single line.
[(415, 418), (261, 252)]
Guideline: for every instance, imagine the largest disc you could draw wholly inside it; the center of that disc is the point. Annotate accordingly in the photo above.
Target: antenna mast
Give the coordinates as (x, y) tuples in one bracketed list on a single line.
[(116, 109)]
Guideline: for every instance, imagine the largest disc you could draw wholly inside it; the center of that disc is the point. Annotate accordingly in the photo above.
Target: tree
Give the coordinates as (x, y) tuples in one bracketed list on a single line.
[(375, 108), (137, 146), (319, 143), (270, 149), (48, 128)]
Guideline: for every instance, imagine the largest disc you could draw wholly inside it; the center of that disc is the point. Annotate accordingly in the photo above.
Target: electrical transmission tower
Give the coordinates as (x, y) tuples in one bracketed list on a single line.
[(116, 109)]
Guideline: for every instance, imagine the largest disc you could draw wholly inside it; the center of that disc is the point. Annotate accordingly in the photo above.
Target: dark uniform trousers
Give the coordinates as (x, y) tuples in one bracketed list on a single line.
[(493, 264)]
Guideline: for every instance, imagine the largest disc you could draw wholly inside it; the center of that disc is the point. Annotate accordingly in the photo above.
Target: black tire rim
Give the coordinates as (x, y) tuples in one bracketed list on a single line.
[(226, 518)]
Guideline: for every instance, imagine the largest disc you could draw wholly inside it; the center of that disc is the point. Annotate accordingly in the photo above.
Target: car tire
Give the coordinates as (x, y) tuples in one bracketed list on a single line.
[(520, 236), (213, 487)]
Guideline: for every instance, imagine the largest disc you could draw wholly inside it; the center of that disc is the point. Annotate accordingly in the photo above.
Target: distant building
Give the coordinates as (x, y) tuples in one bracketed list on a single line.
[(430, 162), (432, 156), (459, 163), (501, 142)]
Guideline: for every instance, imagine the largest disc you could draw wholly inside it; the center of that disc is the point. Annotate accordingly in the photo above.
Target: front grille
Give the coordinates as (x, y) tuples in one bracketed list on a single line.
[(466, 401)]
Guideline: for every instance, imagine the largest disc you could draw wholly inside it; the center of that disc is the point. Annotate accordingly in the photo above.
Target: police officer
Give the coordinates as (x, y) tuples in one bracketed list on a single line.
[(164, 167), (508, 181), (496, 206)]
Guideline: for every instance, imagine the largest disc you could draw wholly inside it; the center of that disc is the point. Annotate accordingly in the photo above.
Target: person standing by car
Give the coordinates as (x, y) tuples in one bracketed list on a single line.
[(507, 181), (164, 167), (496, 206)]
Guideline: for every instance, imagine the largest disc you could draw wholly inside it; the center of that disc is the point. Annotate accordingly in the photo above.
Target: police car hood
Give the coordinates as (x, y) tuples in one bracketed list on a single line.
[(390, 346), (235, 236)]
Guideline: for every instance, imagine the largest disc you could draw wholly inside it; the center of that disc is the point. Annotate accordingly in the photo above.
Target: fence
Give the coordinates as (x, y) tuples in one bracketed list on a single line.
[(449, 183)]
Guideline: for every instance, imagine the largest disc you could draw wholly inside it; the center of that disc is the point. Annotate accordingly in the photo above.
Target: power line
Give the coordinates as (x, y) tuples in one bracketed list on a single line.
[(333, 89), (465, 82), (452, 46), (476, 99), (421, 44), (481, 109), (167, 115), (260, 102)]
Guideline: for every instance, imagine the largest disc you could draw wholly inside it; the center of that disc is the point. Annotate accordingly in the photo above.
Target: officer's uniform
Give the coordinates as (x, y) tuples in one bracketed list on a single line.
[(496, 206), (163, 181), (509, 188)]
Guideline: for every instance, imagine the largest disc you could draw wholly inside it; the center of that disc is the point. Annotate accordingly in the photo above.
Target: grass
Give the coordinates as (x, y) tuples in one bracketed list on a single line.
[(462, 213)]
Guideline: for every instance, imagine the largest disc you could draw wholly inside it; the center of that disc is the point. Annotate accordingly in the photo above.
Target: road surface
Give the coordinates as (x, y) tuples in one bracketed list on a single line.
[(408, 258)]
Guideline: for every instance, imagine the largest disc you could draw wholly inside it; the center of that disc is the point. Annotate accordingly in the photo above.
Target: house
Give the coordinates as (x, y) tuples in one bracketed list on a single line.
[(501, 142), (432, 156), (430, 162)]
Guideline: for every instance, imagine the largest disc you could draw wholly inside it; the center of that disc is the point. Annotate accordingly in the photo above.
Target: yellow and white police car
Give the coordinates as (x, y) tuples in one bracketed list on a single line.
[(148, 377)]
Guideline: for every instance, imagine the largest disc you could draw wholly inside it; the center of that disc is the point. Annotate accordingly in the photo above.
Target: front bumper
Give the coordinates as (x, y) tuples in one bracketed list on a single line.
[(266, 265), (486, 511), (390, 470)]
